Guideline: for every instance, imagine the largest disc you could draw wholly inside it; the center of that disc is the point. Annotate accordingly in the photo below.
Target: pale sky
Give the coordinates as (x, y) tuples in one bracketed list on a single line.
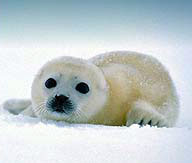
[(97, 23)]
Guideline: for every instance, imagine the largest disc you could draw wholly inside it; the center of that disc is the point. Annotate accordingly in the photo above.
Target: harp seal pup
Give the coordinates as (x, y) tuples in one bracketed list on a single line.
[(115, 88)]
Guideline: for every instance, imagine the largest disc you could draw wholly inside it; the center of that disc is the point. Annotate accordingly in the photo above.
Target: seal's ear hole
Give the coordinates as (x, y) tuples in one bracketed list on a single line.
[(82, 88), (50, 83)]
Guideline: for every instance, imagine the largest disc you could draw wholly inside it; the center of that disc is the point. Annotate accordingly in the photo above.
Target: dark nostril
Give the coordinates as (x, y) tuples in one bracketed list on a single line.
[(61, 98)]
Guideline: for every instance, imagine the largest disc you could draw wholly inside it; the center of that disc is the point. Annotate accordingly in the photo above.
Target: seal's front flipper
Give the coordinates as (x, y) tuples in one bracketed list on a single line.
[(16, 106), (143, 113)]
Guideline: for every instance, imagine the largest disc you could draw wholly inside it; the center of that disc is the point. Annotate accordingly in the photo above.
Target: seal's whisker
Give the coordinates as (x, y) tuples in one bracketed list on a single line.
[(39, 107), (81, 113), (76, 115), (44, 112)]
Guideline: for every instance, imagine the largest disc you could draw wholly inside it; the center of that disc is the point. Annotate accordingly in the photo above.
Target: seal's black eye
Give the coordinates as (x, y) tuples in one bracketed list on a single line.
[(82, 88), (50, 83)]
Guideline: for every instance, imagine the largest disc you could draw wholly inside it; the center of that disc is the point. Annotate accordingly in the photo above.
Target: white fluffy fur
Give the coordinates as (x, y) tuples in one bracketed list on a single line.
[(126, 88)]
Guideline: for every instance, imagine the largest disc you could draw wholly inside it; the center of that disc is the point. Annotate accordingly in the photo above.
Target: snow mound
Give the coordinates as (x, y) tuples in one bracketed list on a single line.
[(24, 139)]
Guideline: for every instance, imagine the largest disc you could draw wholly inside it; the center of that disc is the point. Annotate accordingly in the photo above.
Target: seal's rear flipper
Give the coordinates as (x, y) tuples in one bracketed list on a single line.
[(16, 106)]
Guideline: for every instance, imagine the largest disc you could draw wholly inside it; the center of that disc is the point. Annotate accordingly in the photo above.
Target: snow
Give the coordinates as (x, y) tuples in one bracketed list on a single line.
[(26, 140)]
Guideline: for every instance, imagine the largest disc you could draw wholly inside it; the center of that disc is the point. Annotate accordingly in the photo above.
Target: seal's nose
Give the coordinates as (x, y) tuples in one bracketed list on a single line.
[(60, 104), (61, 99)]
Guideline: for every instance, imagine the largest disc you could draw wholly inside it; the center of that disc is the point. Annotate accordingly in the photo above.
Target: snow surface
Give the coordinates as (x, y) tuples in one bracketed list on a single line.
[(29, 140)]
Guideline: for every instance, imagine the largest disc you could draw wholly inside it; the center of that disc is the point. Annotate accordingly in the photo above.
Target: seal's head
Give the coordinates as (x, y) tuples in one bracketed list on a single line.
[(69, 89)]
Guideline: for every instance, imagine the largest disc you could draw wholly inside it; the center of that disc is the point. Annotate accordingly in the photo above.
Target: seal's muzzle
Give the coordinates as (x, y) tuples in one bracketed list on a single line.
[(60, 104)]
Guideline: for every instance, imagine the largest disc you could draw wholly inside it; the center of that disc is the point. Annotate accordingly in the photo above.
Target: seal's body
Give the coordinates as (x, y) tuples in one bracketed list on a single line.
[(116, 88)]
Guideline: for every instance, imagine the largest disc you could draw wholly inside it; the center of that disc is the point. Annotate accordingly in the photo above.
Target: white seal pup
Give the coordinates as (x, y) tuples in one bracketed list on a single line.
[(116, 88)]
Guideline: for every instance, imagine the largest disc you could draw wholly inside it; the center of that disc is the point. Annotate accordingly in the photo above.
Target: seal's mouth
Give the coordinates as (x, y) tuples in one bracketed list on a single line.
[(60, 104)]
